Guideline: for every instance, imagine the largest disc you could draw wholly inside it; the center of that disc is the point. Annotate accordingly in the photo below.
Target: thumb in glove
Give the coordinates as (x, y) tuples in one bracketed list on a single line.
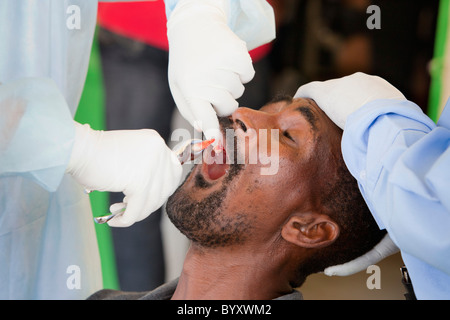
[(383, 249)]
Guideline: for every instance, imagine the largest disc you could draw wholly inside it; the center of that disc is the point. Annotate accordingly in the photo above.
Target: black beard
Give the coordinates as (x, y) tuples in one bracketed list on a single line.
[(204, 222)]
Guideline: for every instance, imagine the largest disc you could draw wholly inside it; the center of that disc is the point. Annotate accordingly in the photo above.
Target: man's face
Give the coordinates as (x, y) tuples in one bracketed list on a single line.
[(231, 203)]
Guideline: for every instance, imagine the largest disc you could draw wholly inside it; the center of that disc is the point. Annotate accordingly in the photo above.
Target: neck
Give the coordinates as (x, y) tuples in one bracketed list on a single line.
[(230, 273)]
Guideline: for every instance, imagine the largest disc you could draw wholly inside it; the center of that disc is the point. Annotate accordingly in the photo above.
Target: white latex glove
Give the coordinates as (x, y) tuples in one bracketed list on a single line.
[(208, 63), (338, 98), (383, 249), (135, 162)]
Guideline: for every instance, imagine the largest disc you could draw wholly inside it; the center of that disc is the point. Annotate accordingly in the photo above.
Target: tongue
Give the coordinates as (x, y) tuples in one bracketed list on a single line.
[(217, 170)]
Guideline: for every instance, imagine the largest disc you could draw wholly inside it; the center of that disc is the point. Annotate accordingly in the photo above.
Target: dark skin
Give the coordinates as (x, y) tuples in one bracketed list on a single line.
[(285, 222)]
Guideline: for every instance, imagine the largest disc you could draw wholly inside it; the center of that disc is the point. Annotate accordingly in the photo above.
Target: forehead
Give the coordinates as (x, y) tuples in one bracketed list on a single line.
[(288, 104)]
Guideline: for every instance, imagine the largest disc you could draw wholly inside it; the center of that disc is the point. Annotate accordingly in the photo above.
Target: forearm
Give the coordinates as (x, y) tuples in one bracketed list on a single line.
[(401, 159), (36, 131), (253, 21)]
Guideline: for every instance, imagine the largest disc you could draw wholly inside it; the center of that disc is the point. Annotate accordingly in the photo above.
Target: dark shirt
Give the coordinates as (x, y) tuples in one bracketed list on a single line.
[(164, 292)]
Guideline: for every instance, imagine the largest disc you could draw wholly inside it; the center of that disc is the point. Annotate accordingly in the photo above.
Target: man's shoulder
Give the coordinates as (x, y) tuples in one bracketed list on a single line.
[(164, 292), (294, 295)]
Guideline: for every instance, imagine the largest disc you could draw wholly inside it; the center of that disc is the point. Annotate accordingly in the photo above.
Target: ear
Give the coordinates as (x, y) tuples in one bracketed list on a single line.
[(310, 230)]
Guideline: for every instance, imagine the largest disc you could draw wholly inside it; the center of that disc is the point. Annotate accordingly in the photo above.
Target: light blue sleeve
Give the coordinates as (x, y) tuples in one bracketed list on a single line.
[(401, 160), (253, 21), (36, 131)]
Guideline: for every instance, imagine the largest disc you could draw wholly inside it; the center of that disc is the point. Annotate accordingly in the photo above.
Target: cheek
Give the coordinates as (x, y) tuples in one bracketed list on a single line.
[(266, 192), (250, 194), (290, 186)]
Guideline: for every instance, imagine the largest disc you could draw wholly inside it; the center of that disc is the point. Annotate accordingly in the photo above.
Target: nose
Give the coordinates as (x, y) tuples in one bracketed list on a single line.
[(246, 118)]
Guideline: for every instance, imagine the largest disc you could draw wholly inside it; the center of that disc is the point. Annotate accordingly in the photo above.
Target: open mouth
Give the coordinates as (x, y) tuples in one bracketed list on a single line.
[(219, 166), (215, 164)]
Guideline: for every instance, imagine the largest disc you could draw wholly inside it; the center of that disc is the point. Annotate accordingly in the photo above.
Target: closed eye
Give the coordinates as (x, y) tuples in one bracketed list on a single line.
[(287, 135), (242, 125)]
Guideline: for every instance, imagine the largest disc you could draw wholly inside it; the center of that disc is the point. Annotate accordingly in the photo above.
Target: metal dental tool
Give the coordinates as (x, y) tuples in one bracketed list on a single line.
[(189, 150), (104, 219)]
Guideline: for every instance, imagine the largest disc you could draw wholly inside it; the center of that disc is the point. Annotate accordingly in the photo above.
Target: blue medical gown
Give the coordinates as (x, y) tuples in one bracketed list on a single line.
[(48, 246), (401, 160)]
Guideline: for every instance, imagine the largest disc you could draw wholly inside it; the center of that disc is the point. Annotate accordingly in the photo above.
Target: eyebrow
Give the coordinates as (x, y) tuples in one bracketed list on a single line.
[(309, 115), (306, 111)]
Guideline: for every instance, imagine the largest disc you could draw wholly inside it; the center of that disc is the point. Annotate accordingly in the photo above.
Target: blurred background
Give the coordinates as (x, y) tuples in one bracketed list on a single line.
[(319, 40), (316, 40)]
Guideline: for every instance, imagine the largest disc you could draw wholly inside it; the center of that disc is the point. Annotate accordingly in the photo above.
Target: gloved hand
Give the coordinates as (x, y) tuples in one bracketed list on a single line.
[(135, 162), (338, 98), (208, 63), (383, 249)]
